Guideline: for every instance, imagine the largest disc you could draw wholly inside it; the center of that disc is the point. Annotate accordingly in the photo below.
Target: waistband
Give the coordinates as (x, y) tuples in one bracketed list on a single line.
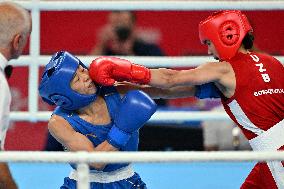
[(270, 140), (106, 177)]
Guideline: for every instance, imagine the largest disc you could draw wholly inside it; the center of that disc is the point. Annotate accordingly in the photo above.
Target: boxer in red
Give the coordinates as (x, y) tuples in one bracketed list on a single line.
[(250, 85)]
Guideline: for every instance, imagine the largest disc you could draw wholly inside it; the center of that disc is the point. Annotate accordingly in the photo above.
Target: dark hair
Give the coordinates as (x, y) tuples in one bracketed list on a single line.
[(123, 33), (248, 41)]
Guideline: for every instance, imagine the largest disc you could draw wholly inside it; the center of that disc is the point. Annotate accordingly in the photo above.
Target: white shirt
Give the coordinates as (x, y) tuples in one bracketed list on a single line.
[(5, 101)]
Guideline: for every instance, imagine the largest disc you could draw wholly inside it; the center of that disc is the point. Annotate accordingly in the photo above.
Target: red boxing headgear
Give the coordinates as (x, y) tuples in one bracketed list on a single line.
[(226, 30)]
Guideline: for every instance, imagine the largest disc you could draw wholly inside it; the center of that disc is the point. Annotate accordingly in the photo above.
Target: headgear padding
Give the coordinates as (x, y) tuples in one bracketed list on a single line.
[(55, 86), (226, 30)]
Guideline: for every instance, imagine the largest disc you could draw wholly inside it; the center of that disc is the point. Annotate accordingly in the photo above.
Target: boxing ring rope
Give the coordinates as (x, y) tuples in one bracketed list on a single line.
[(156, 5), (149, 61), (158, 117), (35, 60), (83, 158), (140, 157)]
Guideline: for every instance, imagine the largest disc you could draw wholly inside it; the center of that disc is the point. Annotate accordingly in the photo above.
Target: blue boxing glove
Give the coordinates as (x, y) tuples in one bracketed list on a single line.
[(207, 90), (135, 110)]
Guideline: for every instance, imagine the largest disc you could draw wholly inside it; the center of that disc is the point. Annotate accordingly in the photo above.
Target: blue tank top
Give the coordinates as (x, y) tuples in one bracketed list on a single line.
[(98, 133)]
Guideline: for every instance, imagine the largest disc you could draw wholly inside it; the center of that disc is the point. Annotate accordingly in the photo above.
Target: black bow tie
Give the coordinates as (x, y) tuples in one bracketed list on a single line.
[(8, 71)]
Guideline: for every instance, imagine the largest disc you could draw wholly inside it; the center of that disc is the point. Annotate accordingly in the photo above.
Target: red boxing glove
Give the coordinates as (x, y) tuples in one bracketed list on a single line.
[(107, 70)]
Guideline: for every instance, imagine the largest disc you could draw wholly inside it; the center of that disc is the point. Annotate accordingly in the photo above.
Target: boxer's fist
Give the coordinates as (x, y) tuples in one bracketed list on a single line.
[(135, 110), (107, 70)]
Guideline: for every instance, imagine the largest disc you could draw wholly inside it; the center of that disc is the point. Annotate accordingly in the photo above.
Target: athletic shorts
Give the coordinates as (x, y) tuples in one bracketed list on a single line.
[(133, 182)]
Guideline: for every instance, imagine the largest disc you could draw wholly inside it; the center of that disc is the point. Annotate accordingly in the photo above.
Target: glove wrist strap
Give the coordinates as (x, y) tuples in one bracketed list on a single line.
[(117, 137), (140, 74)]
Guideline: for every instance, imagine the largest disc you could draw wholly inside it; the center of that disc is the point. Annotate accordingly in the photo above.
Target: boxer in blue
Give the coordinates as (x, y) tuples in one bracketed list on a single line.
[(94, 118), (89, 117)]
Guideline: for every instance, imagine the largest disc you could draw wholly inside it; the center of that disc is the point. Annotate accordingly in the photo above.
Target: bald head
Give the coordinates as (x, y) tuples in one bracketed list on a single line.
[(14, 20)]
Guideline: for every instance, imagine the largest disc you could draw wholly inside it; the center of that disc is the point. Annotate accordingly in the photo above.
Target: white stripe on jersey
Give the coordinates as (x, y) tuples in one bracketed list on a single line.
[(242, 119)]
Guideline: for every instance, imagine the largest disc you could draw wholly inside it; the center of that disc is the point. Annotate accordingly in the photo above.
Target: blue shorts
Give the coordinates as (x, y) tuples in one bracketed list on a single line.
[(133, 182)]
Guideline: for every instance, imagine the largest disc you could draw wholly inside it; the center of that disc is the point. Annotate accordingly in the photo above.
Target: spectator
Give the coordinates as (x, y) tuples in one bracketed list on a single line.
[(223, 135), (119, 37)]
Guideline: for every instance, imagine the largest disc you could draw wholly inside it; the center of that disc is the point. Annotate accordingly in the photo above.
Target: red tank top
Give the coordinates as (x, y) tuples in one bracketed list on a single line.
[(258, 102)]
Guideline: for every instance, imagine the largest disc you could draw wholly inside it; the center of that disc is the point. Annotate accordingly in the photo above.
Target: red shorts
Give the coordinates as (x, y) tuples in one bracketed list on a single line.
[(259, 178)]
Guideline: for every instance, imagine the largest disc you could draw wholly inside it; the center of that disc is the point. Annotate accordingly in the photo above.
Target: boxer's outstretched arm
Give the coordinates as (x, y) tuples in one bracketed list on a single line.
[(208, 90), (167, 78), (157, 93), (107, 70)]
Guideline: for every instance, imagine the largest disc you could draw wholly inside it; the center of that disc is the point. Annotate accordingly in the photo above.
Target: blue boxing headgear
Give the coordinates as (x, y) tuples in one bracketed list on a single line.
[(55, 88)]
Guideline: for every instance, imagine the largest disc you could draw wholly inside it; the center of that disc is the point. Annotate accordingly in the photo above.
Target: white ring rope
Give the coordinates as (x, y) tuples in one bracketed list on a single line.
[(160, 116), (141, 157), (149, 61), (155, 5)]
